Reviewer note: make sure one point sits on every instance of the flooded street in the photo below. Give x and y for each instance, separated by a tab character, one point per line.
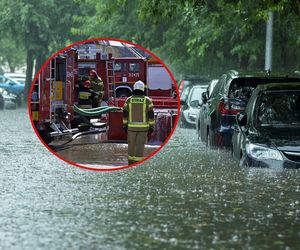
185	197
94	152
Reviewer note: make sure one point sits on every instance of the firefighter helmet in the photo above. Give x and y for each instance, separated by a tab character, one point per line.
139	85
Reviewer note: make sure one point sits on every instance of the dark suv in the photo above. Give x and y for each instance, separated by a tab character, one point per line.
229	97
268	132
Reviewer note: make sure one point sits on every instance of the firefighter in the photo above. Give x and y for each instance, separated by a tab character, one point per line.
138	121
98	88
85	94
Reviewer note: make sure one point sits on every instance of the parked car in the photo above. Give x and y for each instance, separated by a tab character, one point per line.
11	85
229	97
205	96
192	106
188	82
268	131
7	100
19	77
185	87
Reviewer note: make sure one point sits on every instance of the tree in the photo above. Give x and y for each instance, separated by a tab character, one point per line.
41	27
204	37
12	54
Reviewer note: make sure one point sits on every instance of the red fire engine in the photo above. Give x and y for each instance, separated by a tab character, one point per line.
55	91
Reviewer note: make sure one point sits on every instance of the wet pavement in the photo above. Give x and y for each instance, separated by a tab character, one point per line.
185	197
93	151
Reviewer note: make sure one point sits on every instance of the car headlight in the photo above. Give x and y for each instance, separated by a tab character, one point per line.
263	153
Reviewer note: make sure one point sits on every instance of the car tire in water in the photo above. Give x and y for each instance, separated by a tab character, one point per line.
183	123
209	141
198	131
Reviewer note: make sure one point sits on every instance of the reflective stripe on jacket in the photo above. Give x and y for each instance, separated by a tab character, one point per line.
138	113
84	99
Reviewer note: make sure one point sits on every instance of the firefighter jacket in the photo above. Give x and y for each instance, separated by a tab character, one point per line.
98	86
138	114
85	96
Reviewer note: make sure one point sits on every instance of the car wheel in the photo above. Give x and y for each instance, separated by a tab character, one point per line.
198	131
183	123
209	141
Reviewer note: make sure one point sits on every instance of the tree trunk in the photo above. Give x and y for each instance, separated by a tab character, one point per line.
40	60
29	69
11	65
244	62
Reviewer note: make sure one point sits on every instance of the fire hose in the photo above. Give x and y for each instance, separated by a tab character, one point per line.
90	113
95	111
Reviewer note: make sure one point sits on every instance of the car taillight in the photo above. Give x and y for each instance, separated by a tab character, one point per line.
226	109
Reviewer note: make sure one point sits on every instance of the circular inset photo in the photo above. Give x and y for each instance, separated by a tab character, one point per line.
104	104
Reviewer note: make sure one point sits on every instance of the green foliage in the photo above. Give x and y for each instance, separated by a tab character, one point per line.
191	36
40	27
204	37
12	55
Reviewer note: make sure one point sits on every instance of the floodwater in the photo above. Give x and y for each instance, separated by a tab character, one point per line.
185	197
93	151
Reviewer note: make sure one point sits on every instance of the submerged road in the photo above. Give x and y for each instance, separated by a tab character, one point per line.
185	197
92	152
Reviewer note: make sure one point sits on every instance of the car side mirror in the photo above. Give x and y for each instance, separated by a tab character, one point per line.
204	97
241	119
182	102
195	103
11	83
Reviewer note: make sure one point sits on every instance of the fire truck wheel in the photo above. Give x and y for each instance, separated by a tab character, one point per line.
44	134
123	93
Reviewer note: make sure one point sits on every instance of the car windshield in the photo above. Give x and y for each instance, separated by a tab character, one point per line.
279	108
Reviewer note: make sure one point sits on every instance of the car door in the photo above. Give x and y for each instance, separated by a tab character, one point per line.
213	103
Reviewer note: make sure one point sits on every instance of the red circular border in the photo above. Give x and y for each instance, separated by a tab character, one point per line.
104	169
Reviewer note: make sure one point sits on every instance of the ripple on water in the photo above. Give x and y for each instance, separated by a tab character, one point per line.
184	197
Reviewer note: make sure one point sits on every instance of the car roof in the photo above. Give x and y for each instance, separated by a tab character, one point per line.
261	74
18	75
200	86
279	86
10	79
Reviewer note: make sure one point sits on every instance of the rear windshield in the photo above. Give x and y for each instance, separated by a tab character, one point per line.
196	94
279	108
242	88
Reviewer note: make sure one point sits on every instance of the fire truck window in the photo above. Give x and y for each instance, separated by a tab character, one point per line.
61	72
134	67
118	67
83	72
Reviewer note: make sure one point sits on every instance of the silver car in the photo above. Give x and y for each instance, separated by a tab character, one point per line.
193	104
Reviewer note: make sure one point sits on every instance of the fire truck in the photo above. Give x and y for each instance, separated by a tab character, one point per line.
55	92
